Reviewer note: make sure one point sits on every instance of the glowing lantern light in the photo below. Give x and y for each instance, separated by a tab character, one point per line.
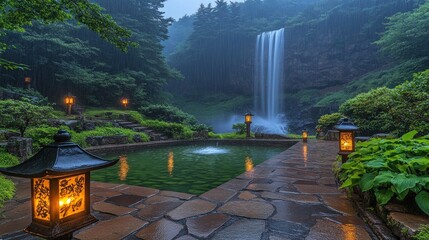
248	121
60	187
27	82
248	164
304	135
124	102
346	137
170	163
69	101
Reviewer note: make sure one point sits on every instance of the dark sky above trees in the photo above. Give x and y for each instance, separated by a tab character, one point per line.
179	8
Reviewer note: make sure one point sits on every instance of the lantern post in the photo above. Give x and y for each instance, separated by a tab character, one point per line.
125	102
60	187
346	138
304	135
248	121
69	101
27	82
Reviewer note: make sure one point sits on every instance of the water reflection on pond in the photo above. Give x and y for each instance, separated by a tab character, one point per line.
192	169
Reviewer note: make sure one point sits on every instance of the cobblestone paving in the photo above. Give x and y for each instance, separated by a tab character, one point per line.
290	196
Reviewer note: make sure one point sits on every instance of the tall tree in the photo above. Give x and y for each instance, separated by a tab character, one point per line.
15	15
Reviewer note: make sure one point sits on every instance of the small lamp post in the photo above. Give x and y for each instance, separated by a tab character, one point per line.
346	137
124	102
27	82
60	187
69	101
248	120
304	135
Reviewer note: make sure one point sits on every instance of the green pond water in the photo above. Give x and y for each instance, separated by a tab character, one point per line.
189	169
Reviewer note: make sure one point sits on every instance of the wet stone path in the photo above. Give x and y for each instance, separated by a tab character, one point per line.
290	196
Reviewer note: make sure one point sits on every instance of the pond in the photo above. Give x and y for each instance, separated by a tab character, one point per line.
191	169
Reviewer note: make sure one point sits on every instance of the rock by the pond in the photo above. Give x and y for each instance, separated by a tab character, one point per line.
106	140
20	147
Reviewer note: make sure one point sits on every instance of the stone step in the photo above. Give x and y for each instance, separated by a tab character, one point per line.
140	129
155	137
123	123
163	138
133	125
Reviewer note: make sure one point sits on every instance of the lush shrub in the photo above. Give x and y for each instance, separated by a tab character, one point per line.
80	138
239	128
172	130
7	159
228	135
397	110
167	113
7	190
328	121
23	114
43	135
201	127
390	168
422	233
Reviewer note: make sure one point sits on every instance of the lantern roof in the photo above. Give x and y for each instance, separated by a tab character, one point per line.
61	157
346	125
249	114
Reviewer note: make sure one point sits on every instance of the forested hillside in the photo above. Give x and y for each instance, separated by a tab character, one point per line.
333	50
68	58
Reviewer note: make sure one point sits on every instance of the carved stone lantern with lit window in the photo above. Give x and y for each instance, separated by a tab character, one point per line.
347	142
60	187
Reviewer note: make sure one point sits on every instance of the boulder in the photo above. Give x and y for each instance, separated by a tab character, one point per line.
20	147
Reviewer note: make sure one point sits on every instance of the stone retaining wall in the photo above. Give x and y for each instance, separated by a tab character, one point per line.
246	142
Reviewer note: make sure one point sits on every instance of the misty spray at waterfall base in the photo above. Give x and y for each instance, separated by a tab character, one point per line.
268	84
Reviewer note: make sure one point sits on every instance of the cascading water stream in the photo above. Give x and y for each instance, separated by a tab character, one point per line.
268	85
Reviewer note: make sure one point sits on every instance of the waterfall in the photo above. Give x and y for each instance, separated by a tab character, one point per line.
268	85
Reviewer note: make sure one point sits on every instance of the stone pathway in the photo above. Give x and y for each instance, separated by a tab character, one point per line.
290	196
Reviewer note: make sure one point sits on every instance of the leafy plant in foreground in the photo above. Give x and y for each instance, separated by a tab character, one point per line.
391	168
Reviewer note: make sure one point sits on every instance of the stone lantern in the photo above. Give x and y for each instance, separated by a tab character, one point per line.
304	135
60	187
248	121
346	141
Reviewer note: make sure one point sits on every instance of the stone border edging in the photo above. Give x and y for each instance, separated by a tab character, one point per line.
376	224
136	146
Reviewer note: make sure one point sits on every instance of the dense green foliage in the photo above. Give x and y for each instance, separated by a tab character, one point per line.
328	121
168	114
406	36
390	168
43	135
389	77
22	114
171	130
7	159
422	233
239	128
232	135
98	74
396	110
15	15
7	188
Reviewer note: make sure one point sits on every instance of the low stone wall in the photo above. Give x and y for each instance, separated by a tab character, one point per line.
106	140
244	142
